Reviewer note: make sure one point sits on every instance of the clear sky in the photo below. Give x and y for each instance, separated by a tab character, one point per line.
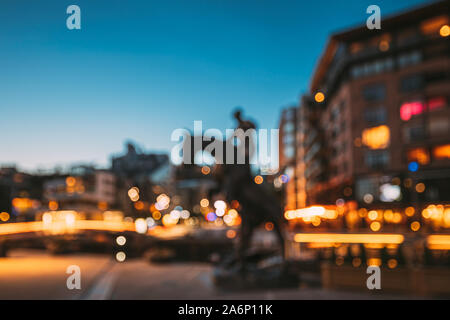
140	69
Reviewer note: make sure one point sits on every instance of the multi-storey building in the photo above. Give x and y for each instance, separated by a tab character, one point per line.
313	160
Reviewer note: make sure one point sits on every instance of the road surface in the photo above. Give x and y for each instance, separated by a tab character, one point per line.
28	274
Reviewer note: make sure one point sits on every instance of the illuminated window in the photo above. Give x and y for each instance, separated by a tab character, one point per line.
381	42
412	108
442	152
436	103
433	26
420	155
377	137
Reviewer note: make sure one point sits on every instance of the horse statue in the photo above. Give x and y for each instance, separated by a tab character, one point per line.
235	180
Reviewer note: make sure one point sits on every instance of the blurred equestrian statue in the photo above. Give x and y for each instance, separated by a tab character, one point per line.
258	204
236	181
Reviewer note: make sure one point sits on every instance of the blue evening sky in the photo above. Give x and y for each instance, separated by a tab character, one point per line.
140	69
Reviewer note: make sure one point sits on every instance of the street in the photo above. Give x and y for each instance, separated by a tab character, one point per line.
29	274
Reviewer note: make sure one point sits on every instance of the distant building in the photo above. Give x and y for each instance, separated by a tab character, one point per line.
314	158
137	163
151	173
20	195
85	190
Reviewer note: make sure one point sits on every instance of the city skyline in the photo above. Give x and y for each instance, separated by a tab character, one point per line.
139	72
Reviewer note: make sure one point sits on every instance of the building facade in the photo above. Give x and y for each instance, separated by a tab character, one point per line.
375	127
85	189
288	149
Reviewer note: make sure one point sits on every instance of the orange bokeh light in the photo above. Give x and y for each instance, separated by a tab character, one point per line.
259	179
53	205
377	137
444	31
420	155
269	226
442	152
206	170
319	97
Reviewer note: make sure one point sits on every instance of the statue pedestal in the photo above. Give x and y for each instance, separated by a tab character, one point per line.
268	272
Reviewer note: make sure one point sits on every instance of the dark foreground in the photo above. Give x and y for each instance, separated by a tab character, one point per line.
28	274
